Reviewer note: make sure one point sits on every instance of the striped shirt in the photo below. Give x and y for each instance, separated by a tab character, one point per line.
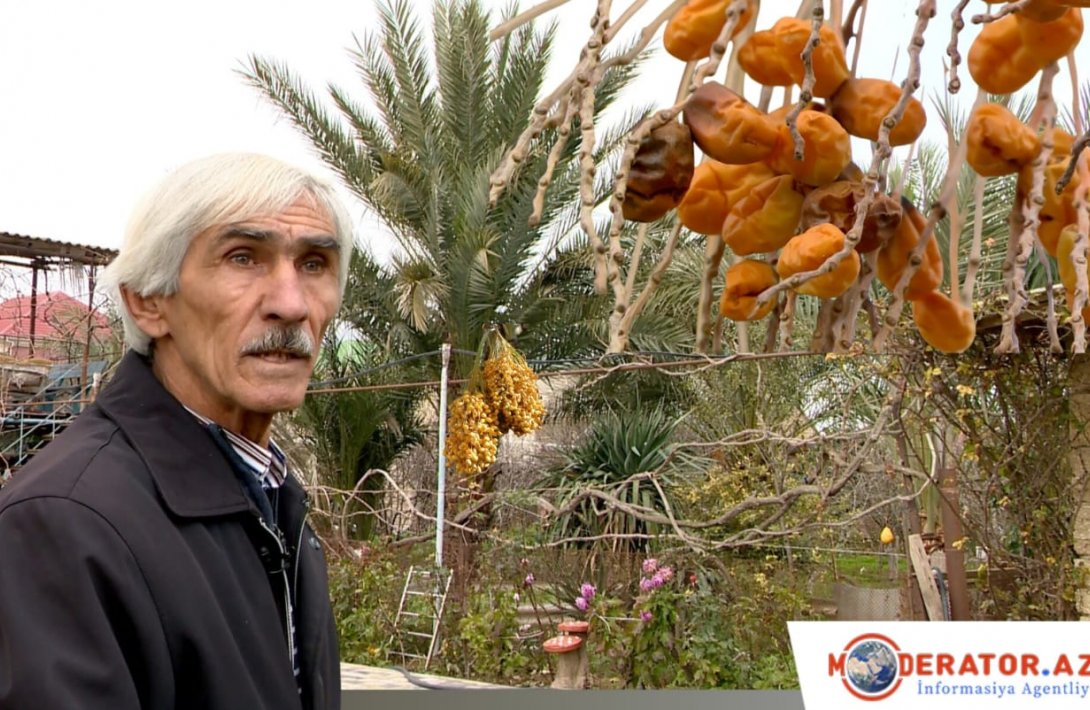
269	465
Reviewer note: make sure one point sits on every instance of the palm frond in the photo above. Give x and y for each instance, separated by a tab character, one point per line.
277	83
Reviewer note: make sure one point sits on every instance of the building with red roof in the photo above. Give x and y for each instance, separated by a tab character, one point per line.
53	326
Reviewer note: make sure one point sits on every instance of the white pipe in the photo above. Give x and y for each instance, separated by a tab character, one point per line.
440	504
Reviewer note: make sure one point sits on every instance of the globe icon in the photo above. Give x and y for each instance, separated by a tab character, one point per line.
871	667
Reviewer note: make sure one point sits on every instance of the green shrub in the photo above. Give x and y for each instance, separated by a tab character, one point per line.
489	639
365	595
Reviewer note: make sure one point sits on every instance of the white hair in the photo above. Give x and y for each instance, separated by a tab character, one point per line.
216	190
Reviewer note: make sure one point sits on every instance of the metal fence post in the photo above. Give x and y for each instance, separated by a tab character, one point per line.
440	504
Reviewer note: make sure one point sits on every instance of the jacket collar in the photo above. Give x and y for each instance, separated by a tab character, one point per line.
192	474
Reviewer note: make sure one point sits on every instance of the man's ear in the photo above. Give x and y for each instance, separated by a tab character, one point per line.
147	311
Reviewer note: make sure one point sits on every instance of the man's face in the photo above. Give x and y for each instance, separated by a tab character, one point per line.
253	301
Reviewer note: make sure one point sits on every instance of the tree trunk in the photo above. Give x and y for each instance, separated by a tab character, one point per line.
1078	379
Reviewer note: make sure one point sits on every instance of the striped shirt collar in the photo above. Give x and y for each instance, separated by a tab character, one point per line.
268	463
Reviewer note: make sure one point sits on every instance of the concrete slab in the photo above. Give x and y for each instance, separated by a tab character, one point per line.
357	677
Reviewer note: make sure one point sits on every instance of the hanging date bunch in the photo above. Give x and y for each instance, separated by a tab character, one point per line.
473	435
511	387
773	188
500	396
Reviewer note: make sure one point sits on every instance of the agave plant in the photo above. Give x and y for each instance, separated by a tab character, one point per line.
621	446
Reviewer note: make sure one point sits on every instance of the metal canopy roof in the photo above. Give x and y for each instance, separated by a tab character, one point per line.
35	248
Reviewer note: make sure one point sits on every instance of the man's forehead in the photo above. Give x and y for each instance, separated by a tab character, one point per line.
302	217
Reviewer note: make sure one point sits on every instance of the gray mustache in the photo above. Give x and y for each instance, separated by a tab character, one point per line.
293	341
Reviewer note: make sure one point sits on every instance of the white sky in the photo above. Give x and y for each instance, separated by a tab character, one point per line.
102	99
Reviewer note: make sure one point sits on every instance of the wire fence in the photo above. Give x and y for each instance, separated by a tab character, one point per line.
544	368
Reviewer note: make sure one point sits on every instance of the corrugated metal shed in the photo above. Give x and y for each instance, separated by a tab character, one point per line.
51	250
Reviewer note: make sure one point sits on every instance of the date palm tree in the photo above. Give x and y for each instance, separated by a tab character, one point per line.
417	149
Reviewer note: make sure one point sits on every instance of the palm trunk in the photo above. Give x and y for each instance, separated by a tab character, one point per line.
1078	379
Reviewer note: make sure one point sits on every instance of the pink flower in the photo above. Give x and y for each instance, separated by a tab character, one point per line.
692	579
529	581
657	580
587	591
646	616
667	573
581	604
650	565
645	584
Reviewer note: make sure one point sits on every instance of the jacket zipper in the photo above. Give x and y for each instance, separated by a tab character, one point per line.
299	545
287	596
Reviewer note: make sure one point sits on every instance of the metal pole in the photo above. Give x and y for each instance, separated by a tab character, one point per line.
440	504
33	303
83	384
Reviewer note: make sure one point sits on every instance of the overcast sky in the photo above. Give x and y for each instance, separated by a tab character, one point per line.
102	99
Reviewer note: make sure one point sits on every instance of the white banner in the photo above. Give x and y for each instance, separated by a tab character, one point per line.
934	665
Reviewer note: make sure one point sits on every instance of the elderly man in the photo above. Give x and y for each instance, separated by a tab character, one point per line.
157	555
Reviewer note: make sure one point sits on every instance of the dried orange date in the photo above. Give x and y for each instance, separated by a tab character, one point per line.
1050	41
830	66
998	143
773	57
727	127
997	60
1056	211
744	282
811	249
860	105
761	59
1064	248
693	29
764	219
1062	143
741	179
893	258
826	152
946	326
714	189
